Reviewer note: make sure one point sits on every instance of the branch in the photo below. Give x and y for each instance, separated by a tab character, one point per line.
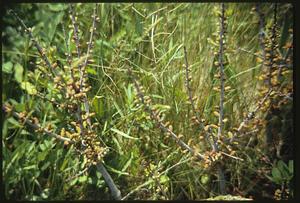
221	70
35	126
188	87
34	41
75	27
251	115
154	115
116	194
89	51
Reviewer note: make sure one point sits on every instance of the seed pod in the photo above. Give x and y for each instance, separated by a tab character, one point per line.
217	89
227	88
35	120
214	126
217	75
180	136
216	113
206	128
225	120
167	123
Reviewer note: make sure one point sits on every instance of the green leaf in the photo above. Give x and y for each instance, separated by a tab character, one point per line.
29	88
91	71
45	193
29	167
123	134
14	122
204	179
7	67
127	164
82	179
57	7
116	171
42	155
164	179
18	72
276	175
79	61
291	166
283	169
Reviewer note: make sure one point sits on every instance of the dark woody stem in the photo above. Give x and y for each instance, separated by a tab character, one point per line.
221	50
191	100
273	44
162	126
34	41
251	115
76	37
38	127
261	32
82	71
115	192
187	84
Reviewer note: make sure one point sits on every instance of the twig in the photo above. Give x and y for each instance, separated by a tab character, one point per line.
234	157
251	115
82	70
34	41
155	117
261	31
36	126
75	37
187	84
221	70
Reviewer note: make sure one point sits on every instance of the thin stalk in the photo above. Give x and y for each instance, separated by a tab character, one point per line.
34	41
221	176
36	126
261	32
82	73
222	78
187	84
251	115
273	44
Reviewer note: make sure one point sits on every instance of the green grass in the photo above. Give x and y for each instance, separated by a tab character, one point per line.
149	39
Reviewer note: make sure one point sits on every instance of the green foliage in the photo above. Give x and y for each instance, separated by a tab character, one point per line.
282	173
149	39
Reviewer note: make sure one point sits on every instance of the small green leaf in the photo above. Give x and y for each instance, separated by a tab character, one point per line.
82	179
79	61
7	67
123	134
127	164
283	168
116	171
276	175
45	193
91	71
164	179
29	88
18	72
204	179
14	122
29	167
